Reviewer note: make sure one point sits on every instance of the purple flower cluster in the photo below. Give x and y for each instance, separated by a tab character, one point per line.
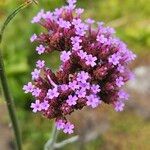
94	66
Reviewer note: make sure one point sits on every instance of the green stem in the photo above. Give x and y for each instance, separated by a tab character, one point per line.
50	145
4	82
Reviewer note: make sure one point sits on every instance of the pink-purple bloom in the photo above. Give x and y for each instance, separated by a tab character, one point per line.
40	49
101	39
119	106
36	106
36	92
123	95
95	88
53	93
68	128
65	56
72	100
35	74
28	88
119	81
60	124
73	85
114	59
90	60
81	93
33	38
82	77
93	101
44	105
40	64
94	65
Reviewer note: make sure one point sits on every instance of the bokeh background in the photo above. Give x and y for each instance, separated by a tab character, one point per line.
99	129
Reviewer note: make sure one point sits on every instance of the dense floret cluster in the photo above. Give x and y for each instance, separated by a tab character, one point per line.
94	65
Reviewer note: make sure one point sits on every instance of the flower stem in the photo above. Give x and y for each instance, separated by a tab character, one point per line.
67	141
4	82
51	142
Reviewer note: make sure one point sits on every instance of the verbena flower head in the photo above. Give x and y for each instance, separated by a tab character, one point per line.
94	65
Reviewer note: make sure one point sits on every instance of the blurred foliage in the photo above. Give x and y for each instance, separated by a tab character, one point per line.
130	19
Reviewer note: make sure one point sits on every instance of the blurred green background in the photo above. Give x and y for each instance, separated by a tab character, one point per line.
128	130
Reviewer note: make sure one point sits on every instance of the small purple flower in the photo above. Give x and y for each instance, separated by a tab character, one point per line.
76	47
84	86
101	39
64	24
65	56
80	31
95	88
110	31
120	68
68	128
76	22
100	24
52	93
45	105
82	76
75	40
40	49
73	85
35	74
71	1
130	56
119	81
82	54
90	60
38	17
93	101
79	11
119	106
36	92
81	93
60	124
57	12
72	100
114	59
36	106
40	64
48	15
123	95
64	87
89	21
28	88
33	38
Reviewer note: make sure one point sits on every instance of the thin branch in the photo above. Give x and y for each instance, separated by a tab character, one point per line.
4	82
66	142
51	142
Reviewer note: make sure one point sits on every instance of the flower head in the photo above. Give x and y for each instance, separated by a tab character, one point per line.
93	65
